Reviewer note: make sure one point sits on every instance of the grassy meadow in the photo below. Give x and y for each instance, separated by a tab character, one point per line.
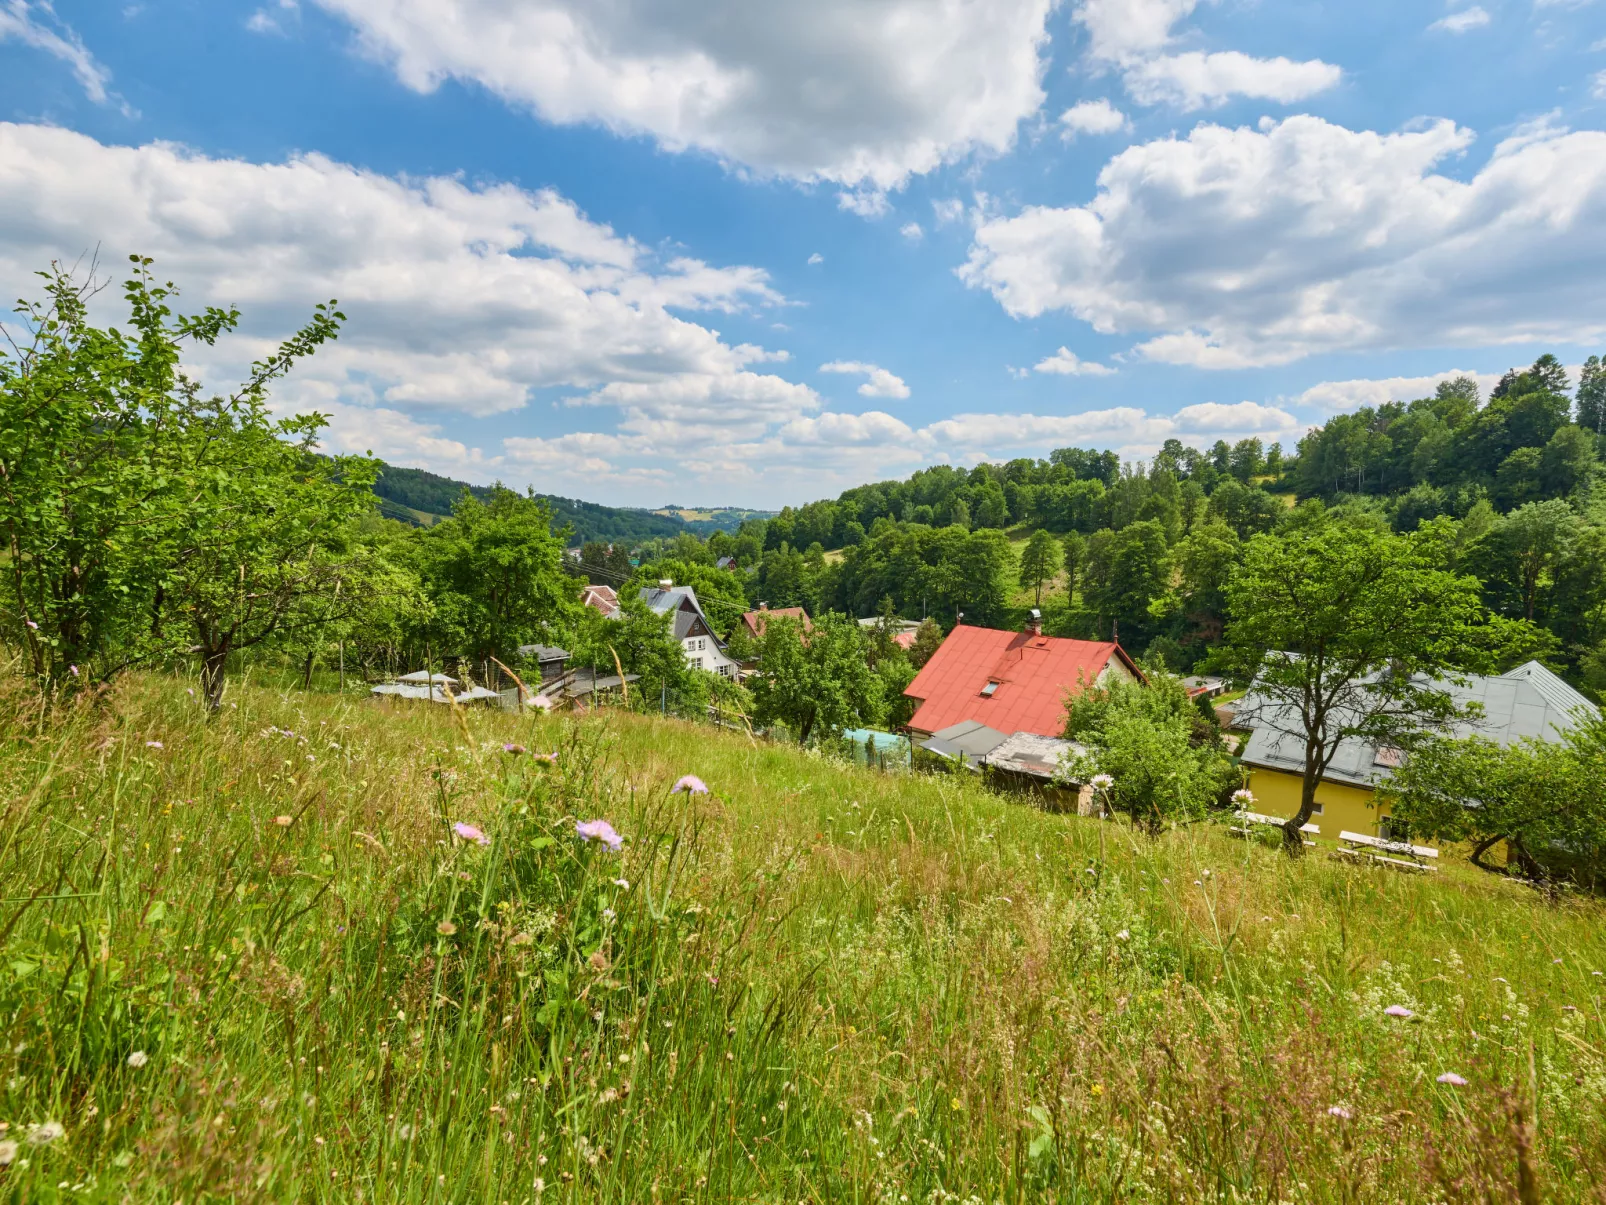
249	958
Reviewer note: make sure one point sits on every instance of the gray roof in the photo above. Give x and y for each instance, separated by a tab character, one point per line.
543	652
670	600
969	739
435	694
1029	753
424	676
1527	702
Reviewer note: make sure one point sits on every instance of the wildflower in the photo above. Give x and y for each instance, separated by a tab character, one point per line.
622	884
1102	781
469	833
46	1131
599	830
689	783
541	703
1197	883
153	744
1340	1112
1243	795
608	914
510	747
138	1059
1397	1010
73	670
1205	873
31	624
1097	1090
190	690
1454	1080
1123	935
955	1105
8	1153
446	928
283	821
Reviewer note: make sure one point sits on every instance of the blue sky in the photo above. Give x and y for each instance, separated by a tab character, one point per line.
750	252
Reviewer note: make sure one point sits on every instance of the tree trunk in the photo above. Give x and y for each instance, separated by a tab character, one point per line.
1293	839
1482	848
306	674
212	662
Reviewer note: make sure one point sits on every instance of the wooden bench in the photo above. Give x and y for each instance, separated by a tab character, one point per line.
1358	847
1246	819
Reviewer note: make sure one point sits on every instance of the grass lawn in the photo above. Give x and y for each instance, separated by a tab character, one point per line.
250	959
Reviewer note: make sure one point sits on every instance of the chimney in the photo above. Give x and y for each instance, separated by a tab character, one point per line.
1034	622
665	583
763	606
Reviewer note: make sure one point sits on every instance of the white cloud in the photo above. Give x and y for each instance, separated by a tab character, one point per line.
947	210
1238	418
1119	30
1599	89
1471	18
816	258
1196	80
912	231
1133	36
1240	247
1065	363
837	90
1338	397
881	383
1092	117
36	24
461	299
267	19
866	202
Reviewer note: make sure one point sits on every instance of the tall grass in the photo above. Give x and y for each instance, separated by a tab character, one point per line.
249	958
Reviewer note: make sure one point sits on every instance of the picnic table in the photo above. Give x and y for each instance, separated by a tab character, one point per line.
1246	819
1401	855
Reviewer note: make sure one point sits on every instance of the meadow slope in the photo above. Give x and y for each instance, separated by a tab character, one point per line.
249	958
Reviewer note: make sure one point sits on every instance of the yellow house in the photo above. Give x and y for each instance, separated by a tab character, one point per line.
1528	701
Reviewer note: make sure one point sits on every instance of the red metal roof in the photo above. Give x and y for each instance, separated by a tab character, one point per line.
1032	673
757	620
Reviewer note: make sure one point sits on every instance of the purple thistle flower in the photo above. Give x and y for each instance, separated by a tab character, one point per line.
73	670
469	833
689	783
1396	1010
541	703
550	758
1451	1078
153	744
599	830
31	624
1339	1111
512	748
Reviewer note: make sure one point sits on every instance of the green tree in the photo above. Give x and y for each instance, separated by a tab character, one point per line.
1520	555
1074	547
928	639
1591	397
1346	632
1166	762
103	444
1568	463
494	575
1127	570
816	684
1039	561
1542	798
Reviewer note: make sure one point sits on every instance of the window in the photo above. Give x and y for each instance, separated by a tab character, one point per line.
1387	755
1317	810
989	690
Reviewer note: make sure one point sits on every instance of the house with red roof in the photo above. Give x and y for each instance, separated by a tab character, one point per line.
1010	681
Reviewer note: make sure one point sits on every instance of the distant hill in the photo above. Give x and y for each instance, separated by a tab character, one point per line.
706	520
423	499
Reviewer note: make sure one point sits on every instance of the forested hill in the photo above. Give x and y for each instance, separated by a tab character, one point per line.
421	498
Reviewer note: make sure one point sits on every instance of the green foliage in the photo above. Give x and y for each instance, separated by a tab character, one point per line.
1040	560
928	639
816	684
494	575
1543	798
1127	570
1344	632
145	520
935	571
1166	764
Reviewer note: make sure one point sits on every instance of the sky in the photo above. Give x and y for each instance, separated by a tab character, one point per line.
754	252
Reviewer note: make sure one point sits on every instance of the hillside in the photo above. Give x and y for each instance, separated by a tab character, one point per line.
257	963
423	498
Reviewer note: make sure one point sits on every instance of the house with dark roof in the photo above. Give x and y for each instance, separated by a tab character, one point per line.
1010	682
703	649
1527	702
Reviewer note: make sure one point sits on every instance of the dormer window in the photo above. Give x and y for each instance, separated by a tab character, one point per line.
989	690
